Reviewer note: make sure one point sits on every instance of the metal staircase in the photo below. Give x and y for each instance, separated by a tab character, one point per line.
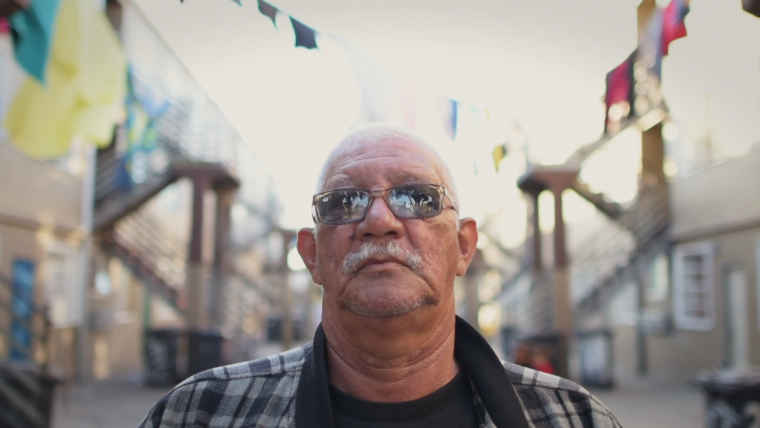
152	253
189	136
127	177
610	258
26	387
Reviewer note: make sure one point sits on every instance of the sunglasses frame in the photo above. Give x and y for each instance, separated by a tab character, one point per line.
374	194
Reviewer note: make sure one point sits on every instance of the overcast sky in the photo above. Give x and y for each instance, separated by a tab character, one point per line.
537	65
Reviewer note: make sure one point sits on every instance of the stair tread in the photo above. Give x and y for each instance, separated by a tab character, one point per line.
14	398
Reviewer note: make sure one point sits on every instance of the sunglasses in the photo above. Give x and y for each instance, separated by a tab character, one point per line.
341	206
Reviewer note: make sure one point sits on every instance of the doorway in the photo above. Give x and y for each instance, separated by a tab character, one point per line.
736	325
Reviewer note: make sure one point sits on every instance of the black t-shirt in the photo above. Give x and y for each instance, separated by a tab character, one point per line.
449	406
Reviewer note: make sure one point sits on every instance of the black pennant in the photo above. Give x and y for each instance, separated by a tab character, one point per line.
269	11
305	36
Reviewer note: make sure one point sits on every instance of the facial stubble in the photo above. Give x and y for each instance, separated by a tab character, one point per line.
391	307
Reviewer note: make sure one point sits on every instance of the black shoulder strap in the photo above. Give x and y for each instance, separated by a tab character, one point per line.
313	408
489	377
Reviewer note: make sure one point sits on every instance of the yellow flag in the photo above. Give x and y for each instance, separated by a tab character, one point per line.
498	153
85	89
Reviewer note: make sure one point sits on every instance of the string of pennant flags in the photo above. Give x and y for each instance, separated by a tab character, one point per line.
633	87
383	95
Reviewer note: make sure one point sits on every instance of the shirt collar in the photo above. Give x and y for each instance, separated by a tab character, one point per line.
475	355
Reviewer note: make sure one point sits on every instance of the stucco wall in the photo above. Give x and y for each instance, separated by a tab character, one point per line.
722	198
675	357
32	191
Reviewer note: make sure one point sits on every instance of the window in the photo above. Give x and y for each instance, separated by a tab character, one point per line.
693	293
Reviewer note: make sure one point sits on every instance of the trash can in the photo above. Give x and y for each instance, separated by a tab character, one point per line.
732	397
274	329
204	351
161	357
548	353
595	352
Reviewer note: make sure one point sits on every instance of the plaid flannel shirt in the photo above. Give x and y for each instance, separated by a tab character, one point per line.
290	389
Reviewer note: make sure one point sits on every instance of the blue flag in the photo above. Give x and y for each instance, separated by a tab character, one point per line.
305	36
269	11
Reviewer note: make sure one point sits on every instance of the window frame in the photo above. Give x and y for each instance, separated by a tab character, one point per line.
683	320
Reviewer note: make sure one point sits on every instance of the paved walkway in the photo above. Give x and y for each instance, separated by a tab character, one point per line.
107	404
115	404
647	406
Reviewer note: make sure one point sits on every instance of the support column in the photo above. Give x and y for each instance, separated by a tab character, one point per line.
562	318
535	223
197	270
560	250
653	155
562	302
86	273
220	270
287	293
555	178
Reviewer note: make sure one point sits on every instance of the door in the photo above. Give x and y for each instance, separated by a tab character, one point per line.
736	316
22	303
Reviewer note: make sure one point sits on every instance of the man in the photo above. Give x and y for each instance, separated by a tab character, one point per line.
390	351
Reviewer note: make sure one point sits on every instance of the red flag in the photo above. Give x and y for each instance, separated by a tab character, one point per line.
673	26
619	96
619	82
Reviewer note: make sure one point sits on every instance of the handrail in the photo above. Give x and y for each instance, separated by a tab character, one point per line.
142	235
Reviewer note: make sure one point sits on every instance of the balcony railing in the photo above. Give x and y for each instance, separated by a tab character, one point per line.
25	387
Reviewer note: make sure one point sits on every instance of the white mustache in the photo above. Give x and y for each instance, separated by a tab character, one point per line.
392	248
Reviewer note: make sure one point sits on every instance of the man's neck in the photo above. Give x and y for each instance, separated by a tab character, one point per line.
390	360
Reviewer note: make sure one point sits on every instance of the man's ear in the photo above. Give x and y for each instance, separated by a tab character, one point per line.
468	243
307	248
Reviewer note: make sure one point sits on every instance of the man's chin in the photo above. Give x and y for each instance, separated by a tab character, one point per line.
386	309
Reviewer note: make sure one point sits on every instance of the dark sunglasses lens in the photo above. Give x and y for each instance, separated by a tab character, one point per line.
416	201
342	206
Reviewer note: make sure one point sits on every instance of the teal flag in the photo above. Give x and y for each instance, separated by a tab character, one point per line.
32	33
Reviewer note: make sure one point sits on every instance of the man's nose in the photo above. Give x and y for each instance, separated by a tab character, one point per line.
380	221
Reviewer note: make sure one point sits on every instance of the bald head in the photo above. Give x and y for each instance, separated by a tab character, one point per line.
375	134
375	261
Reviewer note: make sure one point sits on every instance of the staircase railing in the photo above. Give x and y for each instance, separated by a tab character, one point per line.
599	257
527	298
245	300
650	214
153	253
604	261
25	386
129	173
